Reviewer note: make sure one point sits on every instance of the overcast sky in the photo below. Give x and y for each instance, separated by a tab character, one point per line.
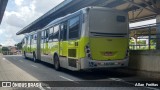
20	13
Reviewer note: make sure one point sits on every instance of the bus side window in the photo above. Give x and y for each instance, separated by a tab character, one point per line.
29	40
35	38
46	36
42	37
56	33
63	33
26	41
23	42
74	28
32	42
50	34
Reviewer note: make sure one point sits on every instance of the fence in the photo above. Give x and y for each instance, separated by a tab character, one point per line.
144	37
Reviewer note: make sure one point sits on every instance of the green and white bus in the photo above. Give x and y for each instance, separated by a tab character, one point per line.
91	38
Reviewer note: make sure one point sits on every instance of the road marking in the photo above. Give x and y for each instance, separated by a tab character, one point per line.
118	79
42	88
4	59
66	78
34	66
69	79
49	88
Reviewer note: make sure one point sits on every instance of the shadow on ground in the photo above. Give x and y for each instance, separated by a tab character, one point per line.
91	75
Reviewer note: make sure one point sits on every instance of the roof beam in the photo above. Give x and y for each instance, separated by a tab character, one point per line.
115	3
152	8
139	6
3	4
139	13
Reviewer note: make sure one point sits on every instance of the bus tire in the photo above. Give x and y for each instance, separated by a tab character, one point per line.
34	57
56	63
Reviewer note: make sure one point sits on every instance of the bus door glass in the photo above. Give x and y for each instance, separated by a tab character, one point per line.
46	42
42	42
29	44
63	37
50	42
24	44
56	39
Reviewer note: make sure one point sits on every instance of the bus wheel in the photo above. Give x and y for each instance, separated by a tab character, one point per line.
34	57
56	63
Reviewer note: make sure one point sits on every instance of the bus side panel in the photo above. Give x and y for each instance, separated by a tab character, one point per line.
53	49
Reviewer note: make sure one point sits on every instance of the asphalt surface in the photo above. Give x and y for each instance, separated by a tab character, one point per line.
45	72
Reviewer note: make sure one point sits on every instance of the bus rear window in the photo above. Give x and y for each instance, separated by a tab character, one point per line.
121	18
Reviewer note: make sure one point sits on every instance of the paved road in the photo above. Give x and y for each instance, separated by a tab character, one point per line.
45	72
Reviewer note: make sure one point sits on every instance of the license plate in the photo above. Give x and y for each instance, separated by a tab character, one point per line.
108	54
109	63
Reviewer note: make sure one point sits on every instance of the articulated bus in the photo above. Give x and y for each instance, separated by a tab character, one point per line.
90	38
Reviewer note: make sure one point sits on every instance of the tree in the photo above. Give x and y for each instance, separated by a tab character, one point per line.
19	46
5	49
0	48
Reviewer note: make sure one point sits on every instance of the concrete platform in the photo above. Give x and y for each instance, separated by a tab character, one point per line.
10	72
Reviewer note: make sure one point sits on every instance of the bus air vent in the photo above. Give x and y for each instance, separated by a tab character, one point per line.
72	62
72	52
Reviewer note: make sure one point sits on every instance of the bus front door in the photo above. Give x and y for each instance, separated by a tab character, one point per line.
63	45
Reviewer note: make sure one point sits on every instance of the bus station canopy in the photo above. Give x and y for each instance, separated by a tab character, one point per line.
138	10
3	4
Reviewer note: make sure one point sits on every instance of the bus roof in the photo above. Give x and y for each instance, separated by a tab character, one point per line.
61	19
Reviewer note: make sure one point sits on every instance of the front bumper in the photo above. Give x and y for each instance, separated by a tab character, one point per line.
95	64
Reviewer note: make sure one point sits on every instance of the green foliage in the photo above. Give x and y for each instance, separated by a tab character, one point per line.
153	41
0	50
19	46
141	45
5	49
141	42
131	42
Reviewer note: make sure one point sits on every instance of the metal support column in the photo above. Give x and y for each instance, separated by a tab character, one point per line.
149	39
158	33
